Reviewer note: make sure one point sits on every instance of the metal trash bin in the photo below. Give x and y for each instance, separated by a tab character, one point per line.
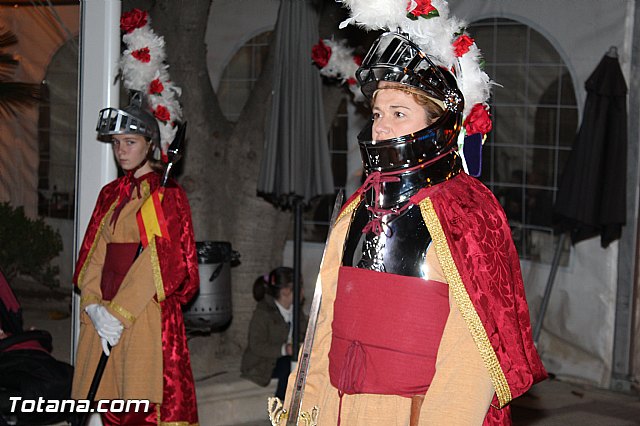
210	309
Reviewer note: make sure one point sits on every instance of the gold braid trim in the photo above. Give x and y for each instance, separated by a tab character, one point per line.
464	303
95	242
145	189
122	311
157	273
350	208
177	424
89	299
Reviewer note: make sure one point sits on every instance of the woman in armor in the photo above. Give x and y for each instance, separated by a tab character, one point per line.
423	317
132	283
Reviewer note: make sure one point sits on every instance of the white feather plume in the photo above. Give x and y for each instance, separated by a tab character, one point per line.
435	37
138	75
342	66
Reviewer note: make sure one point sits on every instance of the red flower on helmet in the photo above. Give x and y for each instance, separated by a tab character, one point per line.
478	120
357	59
162	113
132	20
423	8
462	44
156	87
320	54
351	81
142	54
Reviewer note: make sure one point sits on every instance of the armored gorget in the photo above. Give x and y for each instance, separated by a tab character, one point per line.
387	232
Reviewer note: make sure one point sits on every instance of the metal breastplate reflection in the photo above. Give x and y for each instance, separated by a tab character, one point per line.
401	250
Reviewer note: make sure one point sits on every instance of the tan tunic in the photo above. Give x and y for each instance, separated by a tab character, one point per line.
461	390
134	370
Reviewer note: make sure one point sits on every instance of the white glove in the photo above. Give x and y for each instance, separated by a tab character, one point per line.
108	327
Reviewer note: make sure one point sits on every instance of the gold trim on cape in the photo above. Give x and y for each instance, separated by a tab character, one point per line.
94	243
350	207
155	268
464	303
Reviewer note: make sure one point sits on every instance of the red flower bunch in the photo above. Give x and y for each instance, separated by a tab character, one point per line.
478	120
357	59
142	54
320	54
462	44
162	113
132	20
424	8
156	87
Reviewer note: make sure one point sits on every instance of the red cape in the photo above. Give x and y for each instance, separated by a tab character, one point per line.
178	265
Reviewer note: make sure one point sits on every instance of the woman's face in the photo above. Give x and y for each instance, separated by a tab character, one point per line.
396	113
130	150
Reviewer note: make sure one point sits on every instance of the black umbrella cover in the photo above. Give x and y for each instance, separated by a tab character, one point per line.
591	198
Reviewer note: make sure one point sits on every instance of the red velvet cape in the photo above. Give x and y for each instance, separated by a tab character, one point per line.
178	264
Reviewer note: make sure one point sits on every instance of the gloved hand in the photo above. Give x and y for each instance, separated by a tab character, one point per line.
108	327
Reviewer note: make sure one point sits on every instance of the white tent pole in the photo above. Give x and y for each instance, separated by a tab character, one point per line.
99	55
623	347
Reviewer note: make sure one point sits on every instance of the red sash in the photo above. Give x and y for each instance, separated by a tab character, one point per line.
386	332
117	262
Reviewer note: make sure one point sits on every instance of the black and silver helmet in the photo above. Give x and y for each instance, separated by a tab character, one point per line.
394	58
132	119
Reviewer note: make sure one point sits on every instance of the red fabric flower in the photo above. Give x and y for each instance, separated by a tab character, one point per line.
351	81
156	87
320	54
462	44
357	59
132	20
162	113
142	54
424	7
478	120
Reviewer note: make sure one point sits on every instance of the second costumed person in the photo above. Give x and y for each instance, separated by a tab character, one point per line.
131	299
423	317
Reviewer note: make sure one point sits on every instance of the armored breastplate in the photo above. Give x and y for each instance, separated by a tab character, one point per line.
400	244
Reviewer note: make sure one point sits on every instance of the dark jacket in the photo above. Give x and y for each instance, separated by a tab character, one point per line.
268	331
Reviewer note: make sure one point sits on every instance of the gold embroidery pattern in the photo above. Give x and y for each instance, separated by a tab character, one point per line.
123	312
350	208
89	299
157	273
464	303
95	243
177	424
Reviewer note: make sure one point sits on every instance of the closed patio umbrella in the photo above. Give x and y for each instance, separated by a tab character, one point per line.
591	197
295	163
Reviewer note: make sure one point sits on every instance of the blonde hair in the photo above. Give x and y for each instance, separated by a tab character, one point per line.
432	109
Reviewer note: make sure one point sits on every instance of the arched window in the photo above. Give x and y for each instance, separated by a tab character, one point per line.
241	74
535	118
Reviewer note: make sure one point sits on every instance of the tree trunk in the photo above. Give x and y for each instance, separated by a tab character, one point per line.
221	166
